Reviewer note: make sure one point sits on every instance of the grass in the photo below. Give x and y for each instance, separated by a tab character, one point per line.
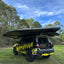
7	57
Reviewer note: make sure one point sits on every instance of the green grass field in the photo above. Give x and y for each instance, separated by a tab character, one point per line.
7	57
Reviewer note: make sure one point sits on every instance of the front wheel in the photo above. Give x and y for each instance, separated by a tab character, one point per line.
29	56
14	51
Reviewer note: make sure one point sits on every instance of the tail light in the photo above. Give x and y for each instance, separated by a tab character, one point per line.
37	45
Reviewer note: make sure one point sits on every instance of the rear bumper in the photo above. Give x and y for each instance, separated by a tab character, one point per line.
45	52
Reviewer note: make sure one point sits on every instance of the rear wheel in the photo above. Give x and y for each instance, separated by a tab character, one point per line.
29	56
14	51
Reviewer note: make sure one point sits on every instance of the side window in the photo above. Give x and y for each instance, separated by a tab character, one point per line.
21	42
34	40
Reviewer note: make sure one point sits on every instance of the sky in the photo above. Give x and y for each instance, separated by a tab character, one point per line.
44	11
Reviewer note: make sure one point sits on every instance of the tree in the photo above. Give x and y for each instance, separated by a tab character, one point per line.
63	35
8	17
48	26
57	23
23	24
30	22
36	24
63	32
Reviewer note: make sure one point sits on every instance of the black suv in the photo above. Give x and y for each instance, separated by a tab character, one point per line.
39	46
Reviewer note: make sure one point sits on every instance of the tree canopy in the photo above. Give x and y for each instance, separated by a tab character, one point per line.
61	31
10	20
8	17
29	23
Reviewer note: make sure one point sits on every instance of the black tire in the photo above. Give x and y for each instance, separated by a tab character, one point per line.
46	57
29	56
14	51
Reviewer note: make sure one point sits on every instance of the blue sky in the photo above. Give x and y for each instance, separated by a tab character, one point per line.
44	11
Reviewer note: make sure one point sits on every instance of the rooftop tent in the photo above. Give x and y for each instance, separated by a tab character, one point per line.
21	33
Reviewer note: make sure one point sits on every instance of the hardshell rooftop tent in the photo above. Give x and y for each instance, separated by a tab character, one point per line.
22	33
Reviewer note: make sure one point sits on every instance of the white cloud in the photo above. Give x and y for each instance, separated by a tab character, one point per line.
28	12
20	6
33	13
44	8
60	11
50	21
46	13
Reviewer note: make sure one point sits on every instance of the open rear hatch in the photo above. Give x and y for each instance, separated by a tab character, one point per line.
43	43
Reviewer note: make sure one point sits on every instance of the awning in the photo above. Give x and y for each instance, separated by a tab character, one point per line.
21	33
